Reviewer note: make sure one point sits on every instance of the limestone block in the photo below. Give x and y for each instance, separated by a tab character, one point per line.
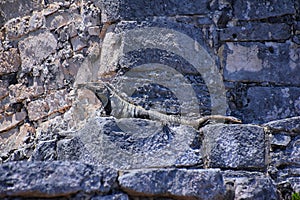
9	61
54	102
249	185
54	179
290	156
252	31
35	49
268	104
14	8
114	10
257	62
256	9
200	184
11	121
280	140
234	146
18	27
289	125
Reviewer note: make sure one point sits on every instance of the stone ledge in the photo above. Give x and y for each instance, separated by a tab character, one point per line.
204	184
54	179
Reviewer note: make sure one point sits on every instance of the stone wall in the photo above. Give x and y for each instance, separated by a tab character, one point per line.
183	58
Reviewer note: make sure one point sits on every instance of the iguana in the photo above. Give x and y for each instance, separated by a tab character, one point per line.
119	106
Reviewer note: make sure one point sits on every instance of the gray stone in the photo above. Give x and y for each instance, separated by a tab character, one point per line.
257	62
20	92
267	104
54	179
256	9
289	156
290	175
52	103
77	43
250	185
9	61
119	196
90	13
63	18
14	8
132	143
253	31
12	120
18	27
3	93
234	146
44	151
17	142
289	125
35	49
94	30
280	140
114	10
178	183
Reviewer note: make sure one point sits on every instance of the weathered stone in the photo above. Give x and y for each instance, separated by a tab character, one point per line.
91	14
267	104
35	49
256	62
178	183
289	156
14	8
94	30
280	140
9	61
3	92
44	151
53	103
114	10
50	9
11	121
290	175
234	146
119	196
19	92
294	53
250	185
77	43
256	32
18	27
256	9
289	125
132	143
60	19
14	139
54	179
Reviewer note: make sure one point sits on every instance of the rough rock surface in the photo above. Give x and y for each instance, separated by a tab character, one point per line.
187	58
131	144
234	146
176	183
54	179
249	185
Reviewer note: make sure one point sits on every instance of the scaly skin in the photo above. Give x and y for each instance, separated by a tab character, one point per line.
126	109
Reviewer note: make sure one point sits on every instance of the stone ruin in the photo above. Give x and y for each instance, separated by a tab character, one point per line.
183	58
